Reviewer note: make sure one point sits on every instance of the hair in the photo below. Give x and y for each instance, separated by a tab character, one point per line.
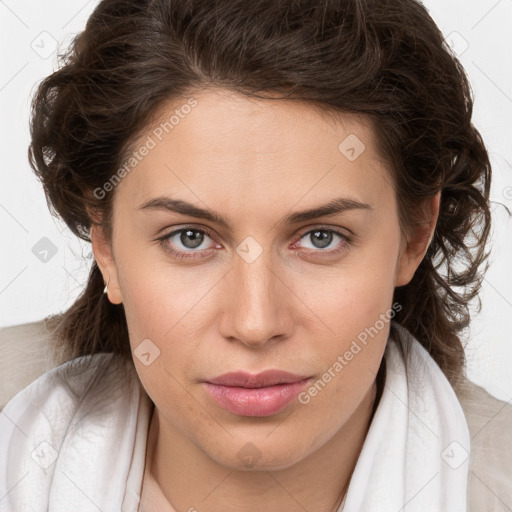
382	59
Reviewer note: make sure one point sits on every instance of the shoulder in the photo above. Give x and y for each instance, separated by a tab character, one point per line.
73	384
55	398
26	353
66	423
79	422
57	402
490	467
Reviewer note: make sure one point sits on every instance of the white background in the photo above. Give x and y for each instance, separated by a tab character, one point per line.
479	31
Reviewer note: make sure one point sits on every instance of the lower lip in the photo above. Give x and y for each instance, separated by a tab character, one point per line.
255	401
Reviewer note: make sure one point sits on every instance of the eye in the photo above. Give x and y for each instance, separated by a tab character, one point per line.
188	242
326	241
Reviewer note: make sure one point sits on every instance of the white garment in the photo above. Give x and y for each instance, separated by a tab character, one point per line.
416	453
75	440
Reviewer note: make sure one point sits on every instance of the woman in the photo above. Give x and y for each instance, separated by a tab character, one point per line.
279	197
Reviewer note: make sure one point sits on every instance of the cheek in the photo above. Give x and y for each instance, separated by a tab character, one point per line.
353	298
355	315
163	311
356	309
160	298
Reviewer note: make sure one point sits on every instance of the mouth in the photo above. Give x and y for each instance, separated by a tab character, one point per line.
263	394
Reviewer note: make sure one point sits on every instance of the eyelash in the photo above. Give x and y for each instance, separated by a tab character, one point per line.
180	255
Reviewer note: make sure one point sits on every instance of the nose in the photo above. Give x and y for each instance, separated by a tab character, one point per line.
257	305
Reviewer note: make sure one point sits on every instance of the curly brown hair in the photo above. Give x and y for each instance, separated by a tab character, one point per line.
385	59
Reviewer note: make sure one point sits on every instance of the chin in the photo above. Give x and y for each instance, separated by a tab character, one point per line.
258	454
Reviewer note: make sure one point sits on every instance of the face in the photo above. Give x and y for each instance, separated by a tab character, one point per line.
256	286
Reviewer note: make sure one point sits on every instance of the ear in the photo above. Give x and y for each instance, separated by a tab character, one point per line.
104	256
415	246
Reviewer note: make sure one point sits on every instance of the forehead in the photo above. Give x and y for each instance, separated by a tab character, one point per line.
253	151
222	117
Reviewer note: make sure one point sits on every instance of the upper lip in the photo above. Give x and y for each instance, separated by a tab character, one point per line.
259	380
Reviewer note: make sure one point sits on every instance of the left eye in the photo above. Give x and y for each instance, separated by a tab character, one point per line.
323	238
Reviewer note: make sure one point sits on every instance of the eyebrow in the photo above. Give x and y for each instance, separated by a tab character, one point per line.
333	207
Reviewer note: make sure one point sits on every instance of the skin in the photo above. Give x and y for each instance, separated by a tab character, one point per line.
295	307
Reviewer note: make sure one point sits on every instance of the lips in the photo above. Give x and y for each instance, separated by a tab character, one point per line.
260	380
263	394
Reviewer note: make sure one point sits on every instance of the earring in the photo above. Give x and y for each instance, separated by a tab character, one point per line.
105	291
